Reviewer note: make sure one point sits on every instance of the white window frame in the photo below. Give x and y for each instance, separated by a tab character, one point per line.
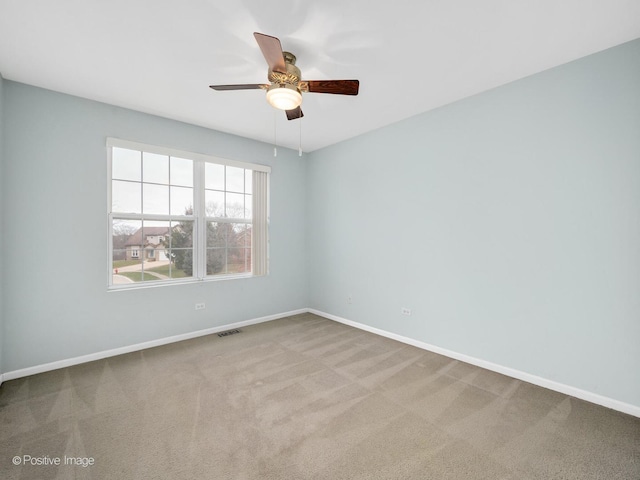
259	245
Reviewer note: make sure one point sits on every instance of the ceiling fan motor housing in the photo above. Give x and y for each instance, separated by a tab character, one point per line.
291	76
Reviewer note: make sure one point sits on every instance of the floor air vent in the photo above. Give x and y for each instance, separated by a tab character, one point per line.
228	332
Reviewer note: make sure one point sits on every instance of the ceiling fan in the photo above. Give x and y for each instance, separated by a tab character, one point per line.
286	87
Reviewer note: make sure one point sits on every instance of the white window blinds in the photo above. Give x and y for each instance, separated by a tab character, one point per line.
260	240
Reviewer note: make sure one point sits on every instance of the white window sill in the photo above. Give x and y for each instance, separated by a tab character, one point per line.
166	283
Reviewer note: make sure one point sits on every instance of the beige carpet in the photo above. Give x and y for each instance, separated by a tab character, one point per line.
304	397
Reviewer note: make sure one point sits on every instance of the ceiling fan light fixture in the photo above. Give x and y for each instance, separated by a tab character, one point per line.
284	97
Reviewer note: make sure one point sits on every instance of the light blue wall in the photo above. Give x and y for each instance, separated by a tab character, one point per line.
509	223
56	301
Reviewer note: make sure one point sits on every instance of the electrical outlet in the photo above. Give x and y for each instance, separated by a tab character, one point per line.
199	306
405	311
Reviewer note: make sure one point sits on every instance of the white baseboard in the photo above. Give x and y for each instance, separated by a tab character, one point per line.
510	372
25	372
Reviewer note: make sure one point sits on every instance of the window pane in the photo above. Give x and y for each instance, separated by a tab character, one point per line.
235	179
156	235
248	206
125	197
123	226
248	181
127	245
247	237
181	235
214	176
181	250
127	274
216	261
228	248
155	168
181	201
155	199
123	232
214	204
217	234
181	172
181	265
235	205
157	253
154	253
125	164
236	260
238	235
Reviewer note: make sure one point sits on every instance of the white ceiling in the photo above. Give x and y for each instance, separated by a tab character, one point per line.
159	56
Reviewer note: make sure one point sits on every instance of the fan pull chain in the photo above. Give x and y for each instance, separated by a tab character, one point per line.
275	136
300	139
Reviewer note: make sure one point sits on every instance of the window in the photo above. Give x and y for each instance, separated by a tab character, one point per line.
228	210
195	217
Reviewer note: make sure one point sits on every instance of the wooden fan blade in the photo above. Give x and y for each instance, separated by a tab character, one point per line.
338	87
295	113
242	86
272	51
